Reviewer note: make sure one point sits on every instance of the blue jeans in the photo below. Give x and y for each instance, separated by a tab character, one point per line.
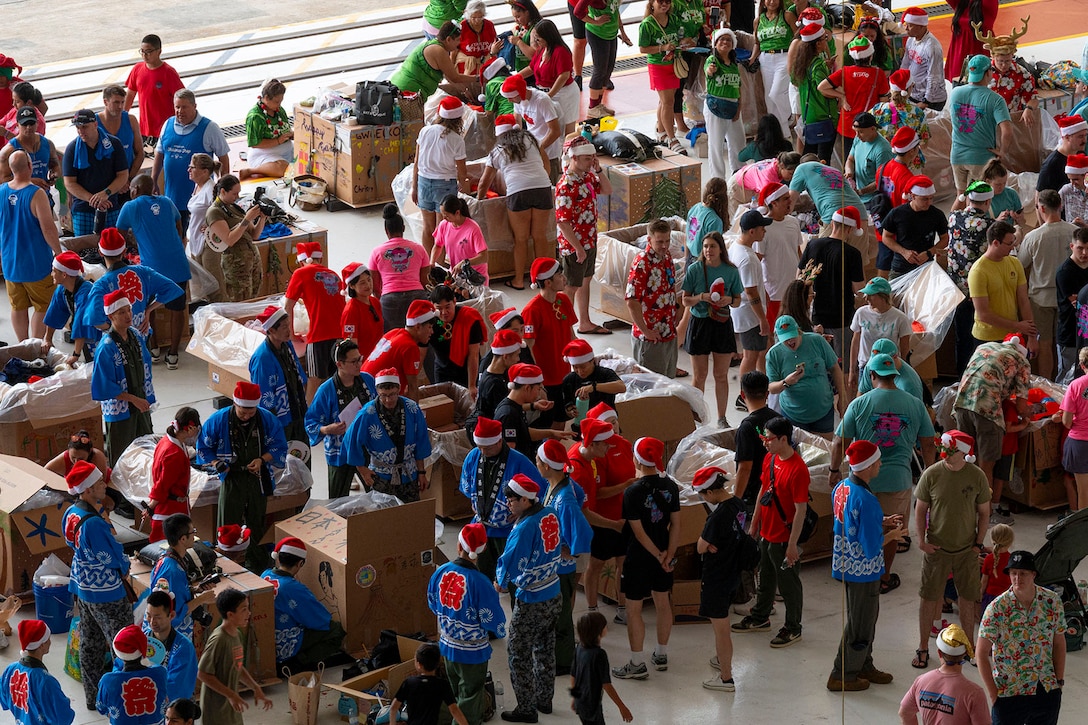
433	191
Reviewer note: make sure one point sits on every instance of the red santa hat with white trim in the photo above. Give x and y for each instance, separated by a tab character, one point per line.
1076	165
554	455
956	440
451	107
290	545
915	16
904	140
1069	125
717	290
111	243
577	352
811	16
502	318
130	644
488	432
472	539
33	633
862	454
921	185
812	32
83	475
419	311
505	122
707	477
69	263
650	452
849	216
232	537
543	268
514	88
270	317
899	81
603	411
596	431
114	301
353	271
388	376
505	342
1016	341
524	486
770	193
524	374
247	394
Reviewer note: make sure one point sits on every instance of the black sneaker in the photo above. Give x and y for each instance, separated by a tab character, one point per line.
519	716
751	624
740	405
609	85
785	638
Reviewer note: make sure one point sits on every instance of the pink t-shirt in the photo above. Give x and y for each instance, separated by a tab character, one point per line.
946	699
399	262
754	177
461	243
1076	402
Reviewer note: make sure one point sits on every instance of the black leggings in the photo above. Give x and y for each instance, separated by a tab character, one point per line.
678	99
822	150
604	59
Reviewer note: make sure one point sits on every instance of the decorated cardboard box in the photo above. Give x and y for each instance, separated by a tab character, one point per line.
643	191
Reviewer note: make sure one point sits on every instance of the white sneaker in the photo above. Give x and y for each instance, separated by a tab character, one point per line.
717	683
715	662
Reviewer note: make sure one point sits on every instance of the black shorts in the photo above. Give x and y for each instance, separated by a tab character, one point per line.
578	27
531	199
715	598
1004	467
752	340
642	576
319	362
607	544
706	336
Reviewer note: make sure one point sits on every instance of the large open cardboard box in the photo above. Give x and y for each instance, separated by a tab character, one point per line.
667	418
1039	463
380	563
28	536
361	688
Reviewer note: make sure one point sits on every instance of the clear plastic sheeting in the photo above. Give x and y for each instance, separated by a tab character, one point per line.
220	336
945	400
705	447
938	151
202	285
1026	151
292	479
52	572
132	474
350	505
621	364
650	385
402	196
45	497
929	297
42	400
816	453
452	445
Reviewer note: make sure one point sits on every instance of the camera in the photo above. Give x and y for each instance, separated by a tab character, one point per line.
202	616
767	499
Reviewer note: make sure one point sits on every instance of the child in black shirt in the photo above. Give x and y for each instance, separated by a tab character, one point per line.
591	674
424	693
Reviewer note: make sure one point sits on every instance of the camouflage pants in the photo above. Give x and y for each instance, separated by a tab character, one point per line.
241	266
212	261
99	623
531	653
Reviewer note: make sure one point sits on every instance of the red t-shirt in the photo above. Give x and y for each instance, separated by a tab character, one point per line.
585	473
362	323
1010	442
791	481
896	177
477	44
999	582
319	289
155	91
863	86
396	349
618	466
550	325
546	71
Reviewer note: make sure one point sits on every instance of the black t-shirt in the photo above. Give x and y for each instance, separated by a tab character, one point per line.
490	392
514	427
1052	173
842	266
591	674
914	230
742	16
722	529
1082	334
1070	280
600	375
424	695
750	448
98	172
650	500
444	370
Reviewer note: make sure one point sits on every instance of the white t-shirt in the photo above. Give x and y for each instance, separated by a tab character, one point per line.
199	202
751	275
537	110
780	249
437	152
520	175
874	325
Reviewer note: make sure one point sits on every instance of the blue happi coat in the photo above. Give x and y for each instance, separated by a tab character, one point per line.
142	286
577	534
133	697
98	560
265	370
499	520
108	377
169	569
325	410
297	610
180	664
368	444
531	558
33	696
60	312
858	554
214	440
468	608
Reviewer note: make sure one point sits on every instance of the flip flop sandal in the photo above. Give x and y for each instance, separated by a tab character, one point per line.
903	546
892	582
595	330
921	659
682	373
511	285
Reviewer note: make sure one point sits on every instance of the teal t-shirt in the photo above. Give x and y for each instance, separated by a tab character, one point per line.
611	29
811	398
976	113
907	380
1007	200
827	188
868	157
725	82
893	420
650	33
702	220
696	283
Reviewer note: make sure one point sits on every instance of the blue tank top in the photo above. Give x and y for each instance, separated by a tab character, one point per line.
177	150
124	135
30	259
39	160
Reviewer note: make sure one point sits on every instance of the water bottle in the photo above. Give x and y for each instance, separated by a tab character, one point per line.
587	131
396	110
498	696
353	711
99	220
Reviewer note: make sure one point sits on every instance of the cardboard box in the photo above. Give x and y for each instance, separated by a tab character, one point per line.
381	562
667	418
357	162
1039	464
685	601
279	256
639	189
226	344
452	445
387	680
616	251
205	515
1055	101
29	536
438	409
42	440
445	481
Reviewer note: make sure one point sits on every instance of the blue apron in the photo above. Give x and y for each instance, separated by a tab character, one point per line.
177	150
124	135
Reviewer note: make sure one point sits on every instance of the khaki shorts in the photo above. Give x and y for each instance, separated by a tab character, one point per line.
1046	320
964	174
25	294
895	502
964	566
985	431
577	272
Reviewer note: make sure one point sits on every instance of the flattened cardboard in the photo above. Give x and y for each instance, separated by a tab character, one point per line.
27	536
667	418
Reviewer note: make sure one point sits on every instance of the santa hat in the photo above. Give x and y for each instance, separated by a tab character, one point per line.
812	32
232	537
915	16
130	644
488	432
388	376
577	352
849	216
603	411
543	268
1069	125
451	107
83	475
1016	341
862	454
717	290
33	633
505	122
290	545
772	192
525	374
472	540
811	16
979	191
114	301
514	88
707	477
270	317
579	146
111	243
719	33
506	342
353	271
502	318
860	48
596	431
956	440
305	251
492	69
899	81
554	454
70	263
247	395
921	186
419	311
650	452
904	140
1075	165
524	486
953	641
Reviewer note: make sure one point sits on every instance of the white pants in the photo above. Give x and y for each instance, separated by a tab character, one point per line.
567	101
776	87
723	137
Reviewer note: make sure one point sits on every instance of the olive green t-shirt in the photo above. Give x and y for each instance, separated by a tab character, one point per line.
224	658
953	498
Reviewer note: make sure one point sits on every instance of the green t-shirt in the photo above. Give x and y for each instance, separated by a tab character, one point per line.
815	106
907	380
868	157
894	421
439	11
416	74
773	34
611	29
1007	200
827	188
953	498
696	283
725	83
521	60
222	657
976	113
650	33
494	101
691	14
811	397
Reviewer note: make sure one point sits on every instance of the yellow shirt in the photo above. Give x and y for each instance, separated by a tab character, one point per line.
997	281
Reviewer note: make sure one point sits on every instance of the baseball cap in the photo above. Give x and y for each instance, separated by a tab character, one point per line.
1021	560
876	286
977	67
785	328
26	116
883	365
865	120
752	219
83	117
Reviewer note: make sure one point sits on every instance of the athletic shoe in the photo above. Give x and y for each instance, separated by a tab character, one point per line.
856	685
519	716
631	671
740	405
609	85
745	611
156	355
715	663
660	662
1001	515
171	362
717	683
876	676
785	638
621	616
935	630
749	624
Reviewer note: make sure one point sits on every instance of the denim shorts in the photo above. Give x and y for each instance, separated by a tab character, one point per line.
433	191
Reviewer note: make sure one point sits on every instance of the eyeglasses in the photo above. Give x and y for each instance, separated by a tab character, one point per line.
353	361
192	533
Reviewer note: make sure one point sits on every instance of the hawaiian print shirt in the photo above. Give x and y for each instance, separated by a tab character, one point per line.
966	243
890	119
994	373
1023	641
1017	87
576	204
652	281
1074	203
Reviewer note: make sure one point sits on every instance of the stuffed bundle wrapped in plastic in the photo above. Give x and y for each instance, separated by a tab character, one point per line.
929	298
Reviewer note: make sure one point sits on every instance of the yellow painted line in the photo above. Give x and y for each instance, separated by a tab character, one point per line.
1002	7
